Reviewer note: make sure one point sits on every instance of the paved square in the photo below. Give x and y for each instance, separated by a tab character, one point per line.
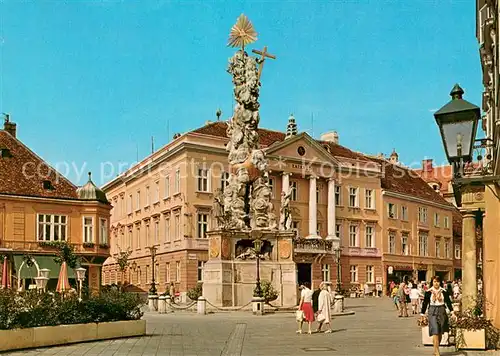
375	329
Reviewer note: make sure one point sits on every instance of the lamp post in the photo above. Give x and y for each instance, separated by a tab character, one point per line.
336	252
257	243
152	250
458	121
80	277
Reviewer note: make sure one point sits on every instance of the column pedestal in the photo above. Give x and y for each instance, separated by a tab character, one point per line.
258	306
469	261
201	306
153	302
162	304
338	305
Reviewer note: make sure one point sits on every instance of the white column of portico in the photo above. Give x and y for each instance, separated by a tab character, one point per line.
331	209
285	182
313	209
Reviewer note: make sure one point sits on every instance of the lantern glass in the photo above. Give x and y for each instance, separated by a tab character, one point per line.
80	273
336	243
41	282
458	139
257	243
44	272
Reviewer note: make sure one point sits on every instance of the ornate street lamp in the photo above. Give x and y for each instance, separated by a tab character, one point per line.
257	244
80	277
457	122
336	252
44	272
41	283
152	250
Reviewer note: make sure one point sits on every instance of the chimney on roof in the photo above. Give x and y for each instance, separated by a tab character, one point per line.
394	157
332	136
427	165
9	126
291	127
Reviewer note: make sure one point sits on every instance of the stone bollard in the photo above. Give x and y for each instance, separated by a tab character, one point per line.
201	306
338	305
153	302
258	306
162	307
168	304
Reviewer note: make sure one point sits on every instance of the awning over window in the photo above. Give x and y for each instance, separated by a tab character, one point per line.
42	262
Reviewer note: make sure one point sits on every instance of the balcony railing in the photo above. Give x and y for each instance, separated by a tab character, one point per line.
312	246
42	246
361	251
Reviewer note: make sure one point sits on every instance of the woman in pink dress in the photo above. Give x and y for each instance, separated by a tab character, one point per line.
306	306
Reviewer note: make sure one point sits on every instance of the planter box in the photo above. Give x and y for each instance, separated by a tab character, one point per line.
471	339
67	334
427	340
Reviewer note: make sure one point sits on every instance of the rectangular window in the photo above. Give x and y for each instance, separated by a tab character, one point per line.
147	235
353	236
404	213
178	271
353	197
271	187
103	239
422	215
138	200
438	248
167	272
338	230
224	180
202	225
138	276
202	180
177	183
167	229
338	195
129	204
157	231
156	197
447	248
436	219
147	275
423	244
325	271
369	199
295	225
201	264
318	194
52	227
148	197
294	196
122	206
88	229
370	274
138	233
404	244
446	222
369	236
458	252
130	241
177	228
391	211
318	229
392	242
167	186
354	273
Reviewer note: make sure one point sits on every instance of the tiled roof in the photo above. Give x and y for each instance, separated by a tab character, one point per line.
24	173
439	174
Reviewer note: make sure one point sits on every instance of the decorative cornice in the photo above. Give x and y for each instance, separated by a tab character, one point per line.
416	200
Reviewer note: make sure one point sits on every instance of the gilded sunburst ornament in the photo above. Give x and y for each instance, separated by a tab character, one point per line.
242	33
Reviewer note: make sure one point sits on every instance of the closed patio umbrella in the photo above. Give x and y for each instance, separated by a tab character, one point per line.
63	281
5	274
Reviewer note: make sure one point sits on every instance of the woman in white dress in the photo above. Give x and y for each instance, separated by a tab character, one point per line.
324	311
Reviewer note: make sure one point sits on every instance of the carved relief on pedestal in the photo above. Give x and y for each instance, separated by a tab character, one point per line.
285	248
226	249
473	195
214	248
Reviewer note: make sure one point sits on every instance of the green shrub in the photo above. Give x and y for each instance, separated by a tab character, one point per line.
195	292
31	308
268	292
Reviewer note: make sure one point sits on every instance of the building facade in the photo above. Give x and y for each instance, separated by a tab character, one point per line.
166	200
38	206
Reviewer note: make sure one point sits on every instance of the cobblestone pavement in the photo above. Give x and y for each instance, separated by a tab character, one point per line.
375	329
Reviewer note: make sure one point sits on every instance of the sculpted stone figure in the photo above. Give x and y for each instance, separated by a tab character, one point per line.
285	211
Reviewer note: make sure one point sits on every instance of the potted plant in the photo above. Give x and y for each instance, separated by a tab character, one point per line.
88	245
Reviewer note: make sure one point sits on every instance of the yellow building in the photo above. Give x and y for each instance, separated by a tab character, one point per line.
39	206
166	201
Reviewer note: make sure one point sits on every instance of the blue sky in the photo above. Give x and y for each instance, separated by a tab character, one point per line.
90	81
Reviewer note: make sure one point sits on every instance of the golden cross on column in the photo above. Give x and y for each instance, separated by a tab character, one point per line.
263	57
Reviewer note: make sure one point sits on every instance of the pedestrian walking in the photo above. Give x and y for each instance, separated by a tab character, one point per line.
324	311
367	290
403	298
394	296
437	300
414	297
305	306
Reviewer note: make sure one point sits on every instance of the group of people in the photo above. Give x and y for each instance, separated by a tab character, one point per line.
412	293
314	305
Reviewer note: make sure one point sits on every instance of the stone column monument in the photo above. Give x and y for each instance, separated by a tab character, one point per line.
244	211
